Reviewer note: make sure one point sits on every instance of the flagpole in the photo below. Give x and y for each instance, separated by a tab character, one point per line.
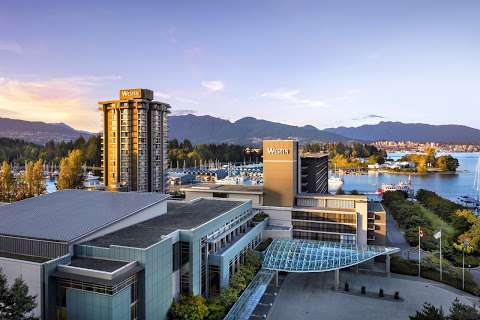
419	256
441	274
463	269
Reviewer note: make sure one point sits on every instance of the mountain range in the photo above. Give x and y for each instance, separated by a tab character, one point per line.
38	132
418	132
208	129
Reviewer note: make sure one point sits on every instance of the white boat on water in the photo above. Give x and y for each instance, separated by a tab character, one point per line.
92	182
335	183
403	186
468	202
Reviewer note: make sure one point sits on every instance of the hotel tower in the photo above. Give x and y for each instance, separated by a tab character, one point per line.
134	142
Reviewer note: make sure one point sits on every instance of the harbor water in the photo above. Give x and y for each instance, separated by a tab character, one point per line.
447	185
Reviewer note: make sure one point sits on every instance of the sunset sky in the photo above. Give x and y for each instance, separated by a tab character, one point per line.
324	63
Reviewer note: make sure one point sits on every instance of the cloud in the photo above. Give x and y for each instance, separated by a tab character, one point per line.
349	95
368	117
292	96
213	86
162	95
183	112
12	47
54	100
373	116
186	100
173	98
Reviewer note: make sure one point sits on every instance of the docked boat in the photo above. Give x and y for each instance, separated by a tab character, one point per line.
468	202
403	186
92	182
335	183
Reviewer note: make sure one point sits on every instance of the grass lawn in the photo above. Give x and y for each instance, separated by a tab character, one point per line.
438	223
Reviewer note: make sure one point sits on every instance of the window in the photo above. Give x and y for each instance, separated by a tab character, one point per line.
220	195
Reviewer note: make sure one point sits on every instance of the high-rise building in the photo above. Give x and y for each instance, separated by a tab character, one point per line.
134	142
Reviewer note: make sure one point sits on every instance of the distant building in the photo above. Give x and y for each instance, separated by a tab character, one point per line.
314	173
134	142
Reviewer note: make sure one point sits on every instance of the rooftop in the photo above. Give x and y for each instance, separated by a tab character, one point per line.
375	206
232	188
181	215
70	214
313	155
97	264
15	256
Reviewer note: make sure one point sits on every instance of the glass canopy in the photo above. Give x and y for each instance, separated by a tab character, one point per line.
318	256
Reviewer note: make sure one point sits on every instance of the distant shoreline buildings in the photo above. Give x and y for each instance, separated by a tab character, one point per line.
411	146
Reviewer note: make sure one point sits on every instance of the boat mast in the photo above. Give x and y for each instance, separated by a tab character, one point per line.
476	181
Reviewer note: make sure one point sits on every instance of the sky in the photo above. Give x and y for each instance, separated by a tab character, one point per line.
321	63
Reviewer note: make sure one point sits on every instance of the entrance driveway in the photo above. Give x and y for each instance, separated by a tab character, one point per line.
309	296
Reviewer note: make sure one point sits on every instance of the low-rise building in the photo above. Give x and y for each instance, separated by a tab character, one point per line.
108	255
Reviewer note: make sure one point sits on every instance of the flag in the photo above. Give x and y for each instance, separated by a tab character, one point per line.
420	233
465	244
438	234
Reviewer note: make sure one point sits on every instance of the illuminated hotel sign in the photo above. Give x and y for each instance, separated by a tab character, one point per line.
278	151
136	94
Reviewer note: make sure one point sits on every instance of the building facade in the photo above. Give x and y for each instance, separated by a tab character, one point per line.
128	256
294	197
134	142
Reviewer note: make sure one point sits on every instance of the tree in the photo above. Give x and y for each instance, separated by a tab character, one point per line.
189	308
16	303
447	163
38	184
7	183
461	311
216	310
421	165
429	312
431	156
71	176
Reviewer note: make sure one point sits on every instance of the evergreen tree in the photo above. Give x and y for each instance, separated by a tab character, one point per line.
460	311
15	302
429	312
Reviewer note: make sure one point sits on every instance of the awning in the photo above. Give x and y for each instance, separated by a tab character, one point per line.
318	256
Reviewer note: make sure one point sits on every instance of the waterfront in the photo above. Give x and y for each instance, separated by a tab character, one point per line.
447	185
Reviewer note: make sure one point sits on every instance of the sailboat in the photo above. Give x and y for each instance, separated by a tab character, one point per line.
473	202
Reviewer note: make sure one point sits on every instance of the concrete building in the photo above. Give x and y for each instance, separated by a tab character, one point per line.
294	210
134	142
121	255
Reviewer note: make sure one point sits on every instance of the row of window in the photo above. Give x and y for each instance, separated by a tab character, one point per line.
324	237
325	216
325	227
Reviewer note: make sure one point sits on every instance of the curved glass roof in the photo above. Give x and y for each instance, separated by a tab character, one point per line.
318	256
245	305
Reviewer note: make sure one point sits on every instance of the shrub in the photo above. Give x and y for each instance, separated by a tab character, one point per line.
262	246
189	308
430	270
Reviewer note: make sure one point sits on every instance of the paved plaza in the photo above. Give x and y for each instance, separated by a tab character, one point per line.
310	296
